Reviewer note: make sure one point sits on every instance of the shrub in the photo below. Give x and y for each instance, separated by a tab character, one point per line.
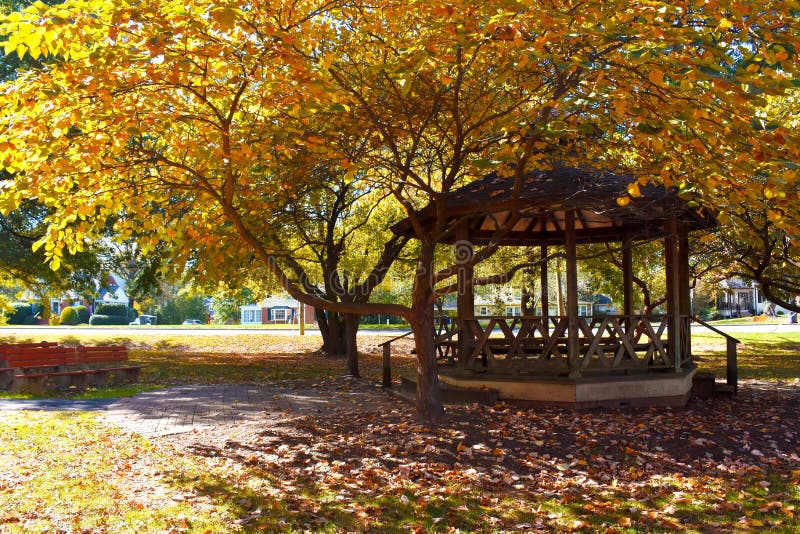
29	320
104	320
83	314
19	311
69	316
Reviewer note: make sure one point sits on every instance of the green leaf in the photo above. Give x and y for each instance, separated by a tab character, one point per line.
485	163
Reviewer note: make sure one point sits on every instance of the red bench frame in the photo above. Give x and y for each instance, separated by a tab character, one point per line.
31	366
7	373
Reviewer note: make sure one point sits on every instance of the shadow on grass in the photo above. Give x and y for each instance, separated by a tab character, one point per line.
303	505
165	367
649	470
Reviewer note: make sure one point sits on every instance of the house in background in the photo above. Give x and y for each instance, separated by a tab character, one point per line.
112	292
740	298
603	304
276	310
508	302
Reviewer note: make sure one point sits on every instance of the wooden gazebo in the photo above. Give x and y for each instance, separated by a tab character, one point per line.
609	360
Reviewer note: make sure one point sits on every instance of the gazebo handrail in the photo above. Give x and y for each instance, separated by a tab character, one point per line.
390	341
727	336
732	363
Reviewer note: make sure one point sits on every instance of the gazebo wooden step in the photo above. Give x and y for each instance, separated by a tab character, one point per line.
454	394
704	386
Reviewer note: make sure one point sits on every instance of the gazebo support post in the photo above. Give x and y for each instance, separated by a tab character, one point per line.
543	285
573	332
465	302
684	292
627	281
671	265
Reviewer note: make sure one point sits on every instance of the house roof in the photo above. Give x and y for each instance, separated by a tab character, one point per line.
601	299
280	301
736	283
546	195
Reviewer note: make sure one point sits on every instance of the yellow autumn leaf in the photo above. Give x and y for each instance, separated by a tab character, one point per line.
656	76
226	17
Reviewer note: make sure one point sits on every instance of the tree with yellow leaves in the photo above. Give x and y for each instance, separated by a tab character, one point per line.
171	113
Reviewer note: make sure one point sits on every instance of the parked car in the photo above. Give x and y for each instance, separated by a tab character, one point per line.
192	321
145	319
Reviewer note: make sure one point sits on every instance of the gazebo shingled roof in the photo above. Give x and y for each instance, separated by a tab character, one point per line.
545	196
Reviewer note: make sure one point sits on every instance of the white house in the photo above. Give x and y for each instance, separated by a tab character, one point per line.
509	300
740	298
112	292
275	310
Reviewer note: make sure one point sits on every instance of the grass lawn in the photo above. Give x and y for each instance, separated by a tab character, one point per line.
729	464
766	356
761	319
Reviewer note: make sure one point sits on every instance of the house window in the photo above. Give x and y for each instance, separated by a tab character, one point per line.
251	316
54	306
279	315
484	310
513	311
583	309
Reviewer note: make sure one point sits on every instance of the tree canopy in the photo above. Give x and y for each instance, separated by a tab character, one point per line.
179	118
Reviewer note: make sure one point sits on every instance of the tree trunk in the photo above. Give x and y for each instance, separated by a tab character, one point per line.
351	332
334	342
429	397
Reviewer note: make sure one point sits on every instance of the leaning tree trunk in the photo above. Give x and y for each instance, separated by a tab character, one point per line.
429	397
351	334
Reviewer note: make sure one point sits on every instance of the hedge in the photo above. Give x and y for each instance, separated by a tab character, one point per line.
115	309
103	320
83	314
69	316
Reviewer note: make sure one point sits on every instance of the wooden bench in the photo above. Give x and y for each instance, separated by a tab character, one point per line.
7	372
34	365
111	358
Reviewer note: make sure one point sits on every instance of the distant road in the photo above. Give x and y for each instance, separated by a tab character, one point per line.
177	331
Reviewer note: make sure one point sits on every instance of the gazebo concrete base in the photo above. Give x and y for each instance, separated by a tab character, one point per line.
653	389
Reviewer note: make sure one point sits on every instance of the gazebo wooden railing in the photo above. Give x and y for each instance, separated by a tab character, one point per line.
539	346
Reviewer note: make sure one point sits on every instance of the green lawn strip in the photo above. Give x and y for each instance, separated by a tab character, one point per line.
766	356
68	472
